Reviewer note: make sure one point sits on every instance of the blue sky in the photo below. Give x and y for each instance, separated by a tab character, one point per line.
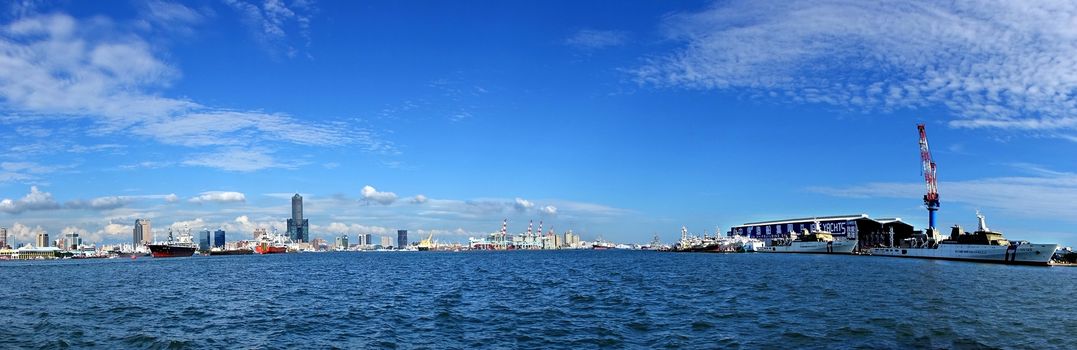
622	121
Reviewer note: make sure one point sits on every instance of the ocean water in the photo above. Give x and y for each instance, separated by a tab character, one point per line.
551	299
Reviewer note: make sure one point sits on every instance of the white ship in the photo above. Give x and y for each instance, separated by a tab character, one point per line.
816	241
983	245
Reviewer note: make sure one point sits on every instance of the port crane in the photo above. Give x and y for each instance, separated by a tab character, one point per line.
931	199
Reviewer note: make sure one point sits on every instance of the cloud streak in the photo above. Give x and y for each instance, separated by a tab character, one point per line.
1001	65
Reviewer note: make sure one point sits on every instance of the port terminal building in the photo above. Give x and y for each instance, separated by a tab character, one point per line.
868	232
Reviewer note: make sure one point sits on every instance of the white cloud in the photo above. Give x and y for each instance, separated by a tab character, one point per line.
591	39
171	198
1006	65
20	234
57	67
419	199
548	210
235	159
523	204
383	198
100	203
219	197
271	23
35	200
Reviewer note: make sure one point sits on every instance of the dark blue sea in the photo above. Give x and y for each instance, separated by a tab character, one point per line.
552	299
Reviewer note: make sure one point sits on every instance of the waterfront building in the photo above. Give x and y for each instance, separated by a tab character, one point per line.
3	237
42	240
298	227
368	239
203	240
869	232
259	233
401	239
218	238
386	242
572	240
71	241
142	234
342	242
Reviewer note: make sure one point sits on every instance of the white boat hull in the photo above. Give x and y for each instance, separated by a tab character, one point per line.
835	247
1027	254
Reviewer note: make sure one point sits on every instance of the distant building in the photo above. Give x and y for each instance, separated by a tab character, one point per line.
203	240
867	231
386	241
342	242
218	238
142	234
3	237
401	238
318	244
259	233
71	241
42	240
571	240
368	239
298	227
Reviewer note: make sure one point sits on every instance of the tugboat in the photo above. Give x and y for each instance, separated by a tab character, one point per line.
271	244
816	241
181	247
983	245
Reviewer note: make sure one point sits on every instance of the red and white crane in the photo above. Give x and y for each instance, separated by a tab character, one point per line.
931	199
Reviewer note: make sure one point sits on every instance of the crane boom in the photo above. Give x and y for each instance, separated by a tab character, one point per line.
931	199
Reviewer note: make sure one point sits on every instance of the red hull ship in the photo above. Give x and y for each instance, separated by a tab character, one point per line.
266	248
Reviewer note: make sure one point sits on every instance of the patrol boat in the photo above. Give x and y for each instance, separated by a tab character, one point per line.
983	245
814	241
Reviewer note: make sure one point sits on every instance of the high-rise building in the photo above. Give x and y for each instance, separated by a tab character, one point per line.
342	242
3	237
42	239
143	235
218	238
71	241
369	239
298	227
386	241
203	240
401	239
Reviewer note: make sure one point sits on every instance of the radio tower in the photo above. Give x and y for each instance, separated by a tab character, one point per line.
931	199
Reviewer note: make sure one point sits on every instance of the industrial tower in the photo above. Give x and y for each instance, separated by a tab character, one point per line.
931	199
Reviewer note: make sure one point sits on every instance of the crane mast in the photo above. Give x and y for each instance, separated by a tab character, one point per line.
931	199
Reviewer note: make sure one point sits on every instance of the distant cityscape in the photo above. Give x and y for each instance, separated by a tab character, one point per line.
295	239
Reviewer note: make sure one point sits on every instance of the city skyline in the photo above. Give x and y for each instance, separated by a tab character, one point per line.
702	114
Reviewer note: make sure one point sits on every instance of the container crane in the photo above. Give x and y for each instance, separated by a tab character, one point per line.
931	199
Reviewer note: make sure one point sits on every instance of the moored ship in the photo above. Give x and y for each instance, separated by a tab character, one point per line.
271	244
983	245
816	241
183	246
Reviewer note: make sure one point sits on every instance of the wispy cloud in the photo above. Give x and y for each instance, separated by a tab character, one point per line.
274	23
592	39
55	67
1004	65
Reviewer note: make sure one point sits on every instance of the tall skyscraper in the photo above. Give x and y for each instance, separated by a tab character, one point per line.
42	239
298	228
218	238
143	235
401	239
3	237
203	240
